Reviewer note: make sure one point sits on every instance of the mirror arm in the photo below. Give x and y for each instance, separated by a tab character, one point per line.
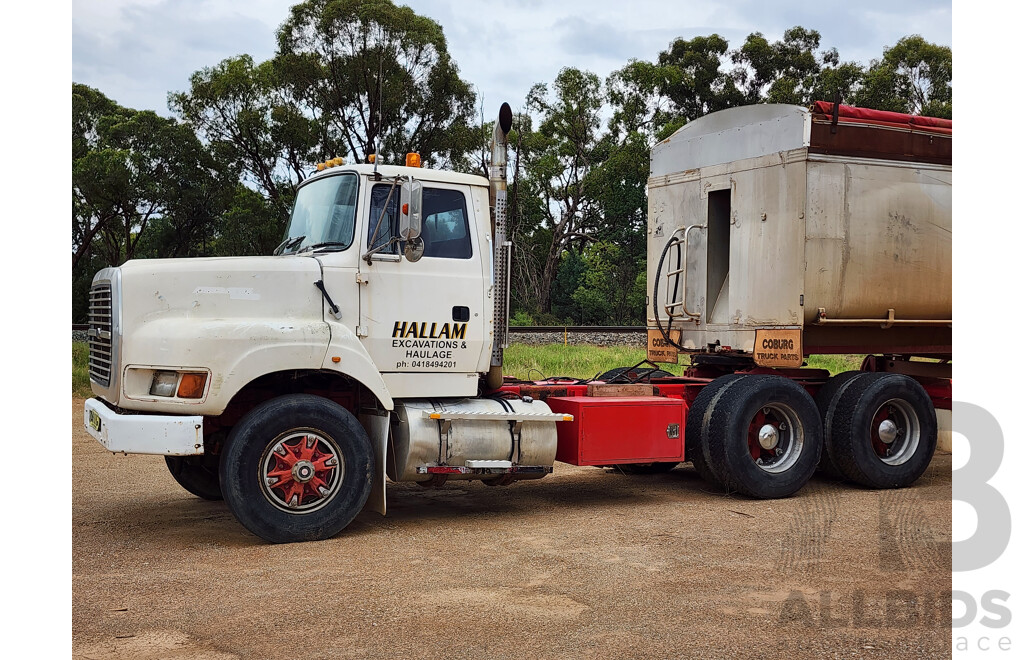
368	257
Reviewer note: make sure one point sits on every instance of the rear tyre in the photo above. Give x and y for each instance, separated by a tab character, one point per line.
696	428
884	431
297	468
764	436
196	474
645	468
826	399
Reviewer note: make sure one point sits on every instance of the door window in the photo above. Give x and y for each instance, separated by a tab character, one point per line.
445	231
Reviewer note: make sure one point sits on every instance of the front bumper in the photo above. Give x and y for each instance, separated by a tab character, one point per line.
167	435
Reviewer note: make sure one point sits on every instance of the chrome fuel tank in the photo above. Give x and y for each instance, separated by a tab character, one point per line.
418	441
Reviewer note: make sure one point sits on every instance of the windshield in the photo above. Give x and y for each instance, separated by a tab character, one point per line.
324	215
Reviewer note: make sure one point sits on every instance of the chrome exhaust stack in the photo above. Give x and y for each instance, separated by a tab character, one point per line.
502	257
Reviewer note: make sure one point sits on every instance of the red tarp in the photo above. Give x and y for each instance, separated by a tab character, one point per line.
885	118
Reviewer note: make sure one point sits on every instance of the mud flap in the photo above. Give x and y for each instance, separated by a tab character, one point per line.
377	429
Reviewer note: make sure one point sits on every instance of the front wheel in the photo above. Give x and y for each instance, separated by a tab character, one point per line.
196	474
297	468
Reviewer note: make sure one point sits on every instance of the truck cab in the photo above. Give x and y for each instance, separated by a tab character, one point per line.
424	315
291	384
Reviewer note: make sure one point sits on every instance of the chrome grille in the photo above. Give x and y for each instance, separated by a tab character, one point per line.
100	333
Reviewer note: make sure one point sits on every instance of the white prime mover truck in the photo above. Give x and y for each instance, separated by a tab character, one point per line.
369	346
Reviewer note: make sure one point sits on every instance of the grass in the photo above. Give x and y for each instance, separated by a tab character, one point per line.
527	362
80	369
538	362
835	363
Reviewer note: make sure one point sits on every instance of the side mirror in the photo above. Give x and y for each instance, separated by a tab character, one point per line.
411	211
414	248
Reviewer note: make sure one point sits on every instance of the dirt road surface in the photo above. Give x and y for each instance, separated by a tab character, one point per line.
585	563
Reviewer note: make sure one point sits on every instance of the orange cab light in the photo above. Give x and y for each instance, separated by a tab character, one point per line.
371	158
191	385
412	159
320	167
338	161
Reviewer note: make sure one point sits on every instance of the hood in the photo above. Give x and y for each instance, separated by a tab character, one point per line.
220	288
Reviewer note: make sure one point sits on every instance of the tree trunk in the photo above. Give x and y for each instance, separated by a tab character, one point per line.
547	276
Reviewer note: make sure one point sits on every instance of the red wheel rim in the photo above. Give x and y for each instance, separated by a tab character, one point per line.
895	421
783	437
301	471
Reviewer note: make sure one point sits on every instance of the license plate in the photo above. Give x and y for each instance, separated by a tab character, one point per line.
94	421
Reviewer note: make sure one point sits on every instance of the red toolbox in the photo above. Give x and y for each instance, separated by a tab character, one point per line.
607	430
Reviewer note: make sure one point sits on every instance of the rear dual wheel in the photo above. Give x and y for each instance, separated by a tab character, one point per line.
882	432
697	419
761	436
826	399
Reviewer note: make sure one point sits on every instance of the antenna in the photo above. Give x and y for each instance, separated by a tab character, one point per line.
380	113
483	145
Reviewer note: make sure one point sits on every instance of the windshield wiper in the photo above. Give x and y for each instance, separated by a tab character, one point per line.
325	244
288	243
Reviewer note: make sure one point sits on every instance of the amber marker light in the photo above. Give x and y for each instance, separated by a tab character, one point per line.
191	385
371	158
412	159
335	359
320	167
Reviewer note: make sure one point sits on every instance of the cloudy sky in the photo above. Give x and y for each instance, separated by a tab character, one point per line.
136	51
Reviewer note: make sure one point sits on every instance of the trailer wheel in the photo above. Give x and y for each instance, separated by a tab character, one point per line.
645	468
696	428
297	468
827	398
196	474
764	436
884	431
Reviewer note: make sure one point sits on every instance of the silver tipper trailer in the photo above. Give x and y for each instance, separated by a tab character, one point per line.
777	231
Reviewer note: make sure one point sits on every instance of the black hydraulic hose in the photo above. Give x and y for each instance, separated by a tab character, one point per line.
666	333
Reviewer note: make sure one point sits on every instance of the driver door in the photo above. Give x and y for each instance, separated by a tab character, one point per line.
423	322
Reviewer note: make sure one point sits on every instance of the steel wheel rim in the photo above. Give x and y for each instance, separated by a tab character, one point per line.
301	471
895	419
788	438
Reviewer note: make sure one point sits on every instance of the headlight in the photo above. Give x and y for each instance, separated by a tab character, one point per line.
164	383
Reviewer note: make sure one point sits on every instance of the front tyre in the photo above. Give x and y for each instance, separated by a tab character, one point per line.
196	474
296	468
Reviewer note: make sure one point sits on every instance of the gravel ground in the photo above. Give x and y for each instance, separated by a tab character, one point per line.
581	338
585	563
